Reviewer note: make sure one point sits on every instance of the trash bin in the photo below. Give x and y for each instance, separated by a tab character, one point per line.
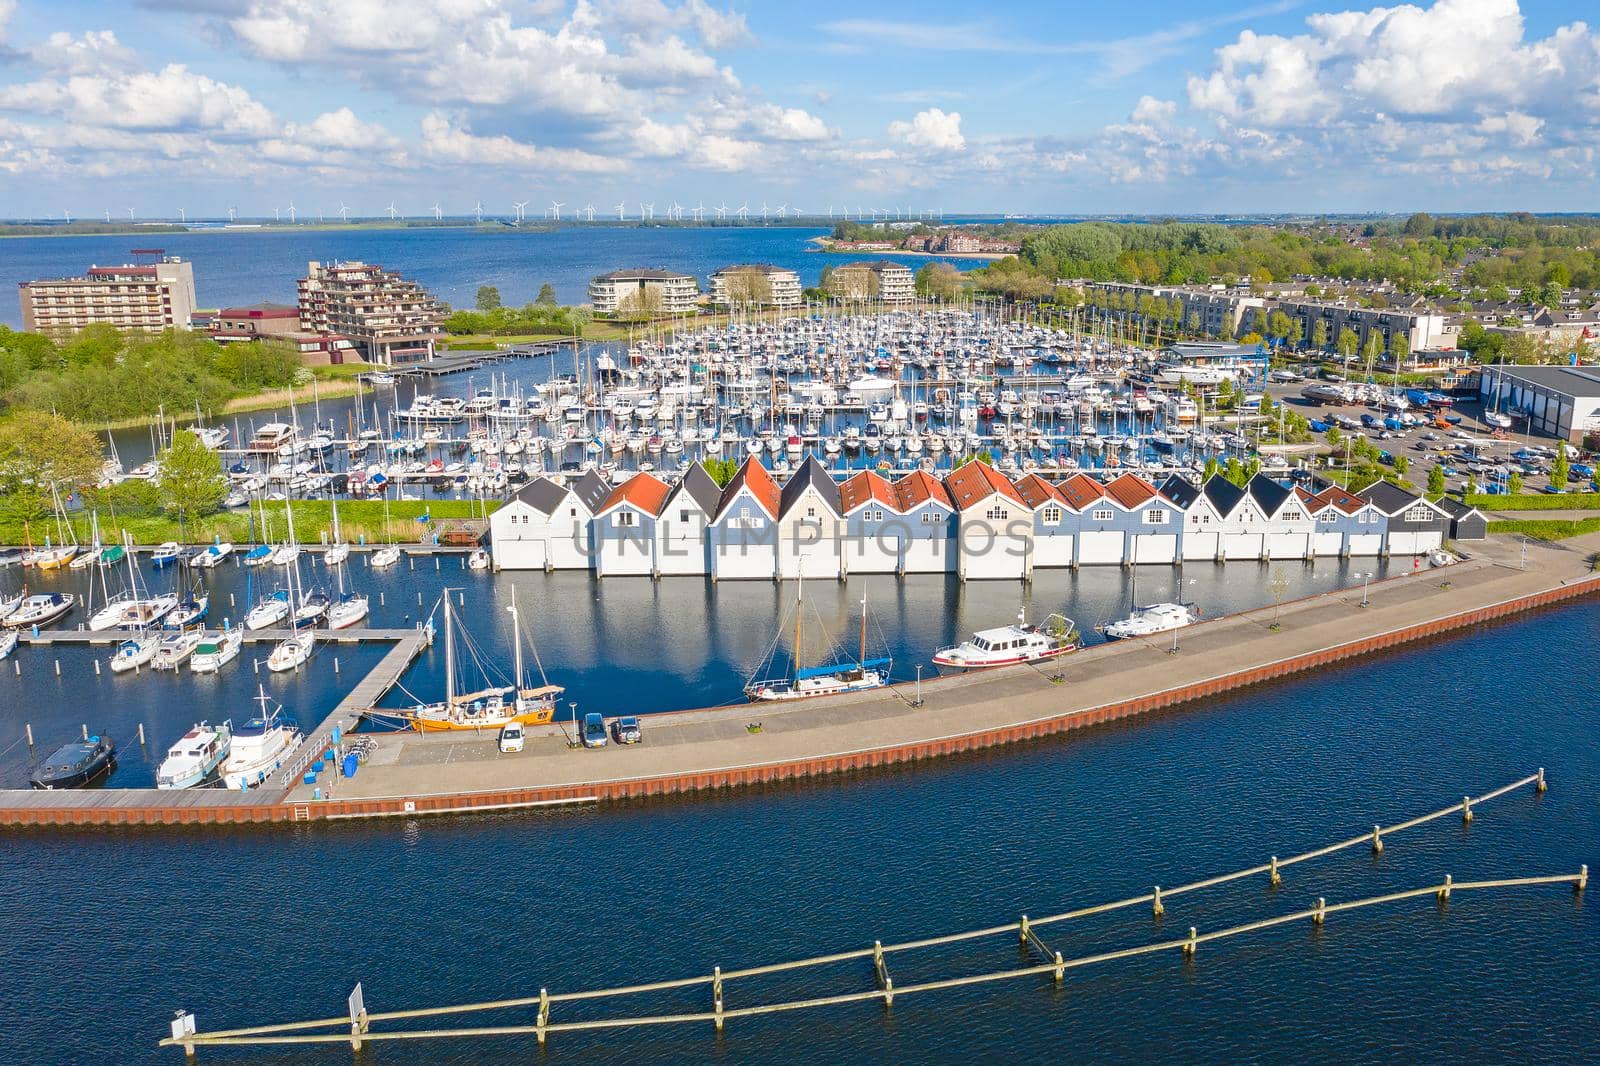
350	764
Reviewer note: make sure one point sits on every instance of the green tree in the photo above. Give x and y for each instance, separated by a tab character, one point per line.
39	450
938	280
1514	483
1319	334
1212	467
748	287
1347	342
1402	463
190	479
547	296
1436	482
488	298
722	471
1400	348
1559	468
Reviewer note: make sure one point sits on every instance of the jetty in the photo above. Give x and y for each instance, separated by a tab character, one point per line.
411	774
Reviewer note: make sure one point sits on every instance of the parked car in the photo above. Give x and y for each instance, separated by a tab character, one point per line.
511	737
625	730
594	731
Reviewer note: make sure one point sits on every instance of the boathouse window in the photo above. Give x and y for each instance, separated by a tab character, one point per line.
811	512
995	514
1328	519
1103	514
874	516
683	516
1417	514
573	511
1051	515
1155	517
625	518
1292	516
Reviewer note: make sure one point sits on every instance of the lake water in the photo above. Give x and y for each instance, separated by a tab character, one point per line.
233	267
108	931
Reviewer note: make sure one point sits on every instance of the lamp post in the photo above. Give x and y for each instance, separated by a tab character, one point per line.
1366	578
917	702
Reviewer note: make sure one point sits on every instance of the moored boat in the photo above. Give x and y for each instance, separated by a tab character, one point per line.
165	554
1020	642
805	682
134	653
216	651
175	649
195	756
291	653
260	745
40	610
76	764
1152	619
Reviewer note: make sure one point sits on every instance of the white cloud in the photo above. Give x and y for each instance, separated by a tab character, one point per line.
452	142
171	99
933	129
94	52
1150	111
343	130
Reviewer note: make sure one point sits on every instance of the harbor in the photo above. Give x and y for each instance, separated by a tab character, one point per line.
693	751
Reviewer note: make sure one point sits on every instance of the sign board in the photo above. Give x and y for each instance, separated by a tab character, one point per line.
182	1025
358	1005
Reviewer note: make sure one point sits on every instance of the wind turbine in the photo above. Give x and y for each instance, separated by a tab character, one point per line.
763	210
675	212
182	217
66	215
699	211
233	214
275	216
744	211
620	209
391	210
588	212
291	212
555	209
520	205
130	214
344	212
783	210
648	210
438	215
478	211
108	214
722	210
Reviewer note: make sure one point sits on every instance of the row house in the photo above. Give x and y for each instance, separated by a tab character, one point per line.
975	522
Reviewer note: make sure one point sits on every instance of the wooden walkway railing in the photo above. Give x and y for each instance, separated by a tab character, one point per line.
356	1028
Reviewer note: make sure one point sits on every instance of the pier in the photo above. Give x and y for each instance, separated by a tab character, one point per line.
684	752
1039	960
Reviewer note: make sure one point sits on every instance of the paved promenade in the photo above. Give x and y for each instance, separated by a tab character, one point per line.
708	748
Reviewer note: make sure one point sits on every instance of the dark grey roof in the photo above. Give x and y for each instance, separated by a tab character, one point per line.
813	473
1575	381
700	487
592	489
1223	494
764	268
542	494
643	274
1388	497
1268	494
1456	509
1180	491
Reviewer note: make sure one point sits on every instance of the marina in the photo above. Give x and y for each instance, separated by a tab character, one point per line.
411	773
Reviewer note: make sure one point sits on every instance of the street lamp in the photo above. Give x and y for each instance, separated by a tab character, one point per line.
917	702
1366	578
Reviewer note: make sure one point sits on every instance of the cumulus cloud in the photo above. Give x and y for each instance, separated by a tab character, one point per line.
1150	111
96	51
934	130
453	142
341	129
173	98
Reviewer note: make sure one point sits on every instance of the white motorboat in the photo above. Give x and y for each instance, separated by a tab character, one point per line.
260	746
40	610
1020	642
1152	619
134	652
385	557
175	648
216	651
292	653
478	560
8	643
193	758
133	611
211	556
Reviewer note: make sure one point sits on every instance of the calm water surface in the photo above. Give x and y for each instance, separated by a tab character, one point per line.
107	932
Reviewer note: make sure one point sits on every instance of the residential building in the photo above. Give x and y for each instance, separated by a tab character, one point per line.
143	297
1421	327
881	279
755	285
642	290
391	321
255	321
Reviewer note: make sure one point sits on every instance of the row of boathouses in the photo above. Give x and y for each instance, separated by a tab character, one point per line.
974	522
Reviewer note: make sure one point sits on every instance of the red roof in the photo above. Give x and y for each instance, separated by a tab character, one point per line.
1312	503
645	491
1334	496
863	488
917	488
1080	490
754	476
1130	490
1036	491
976	482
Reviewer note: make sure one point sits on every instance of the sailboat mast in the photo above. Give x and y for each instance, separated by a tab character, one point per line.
799	614
516	637
449	654
861	659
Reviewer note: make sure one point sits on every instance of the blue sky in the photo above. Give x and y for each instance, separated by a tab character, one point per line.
1146	107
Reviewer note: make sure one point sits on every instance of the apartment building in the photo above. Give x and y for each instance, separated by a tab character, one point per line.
390	320
755	285
888	282
146	297
640	289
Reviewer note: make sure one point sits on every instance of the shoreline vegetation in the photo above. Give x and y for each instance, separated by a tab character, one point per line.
830	246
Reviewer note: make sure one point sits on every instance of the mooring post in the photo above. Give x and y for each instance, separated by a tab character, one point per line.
1319	913
1022	930
716	993
1583	878
29	728
1273	877
1377	842
881	969
1061	968
1190	945
1466	808
1444	890
544	1015
141	734
1156	908
1540	786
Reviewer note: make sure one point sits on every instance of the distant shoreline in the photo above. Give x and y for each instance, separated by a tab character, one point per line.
824	244
8	230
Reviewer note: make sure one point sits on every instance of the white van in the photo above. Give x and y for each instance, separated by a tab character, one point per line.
511	737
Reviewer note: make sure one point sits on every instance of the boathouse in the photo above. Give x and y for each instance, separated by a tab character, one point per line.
1054	533
1466	521
1151	525
625	527
874	528
1359	524
743	534
540	528
810	529
1412	524
1288	532
929	546
995	526
1082	495
682	531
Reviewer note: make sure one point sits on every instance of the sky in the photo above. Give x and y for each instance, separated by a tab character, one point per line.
1163	106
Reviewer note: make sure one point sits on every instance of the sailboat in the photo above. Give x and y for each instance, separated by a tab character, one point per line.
130	609
486	708
84	560
57	556
338	551
389	554
292	652
829	680
350	608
